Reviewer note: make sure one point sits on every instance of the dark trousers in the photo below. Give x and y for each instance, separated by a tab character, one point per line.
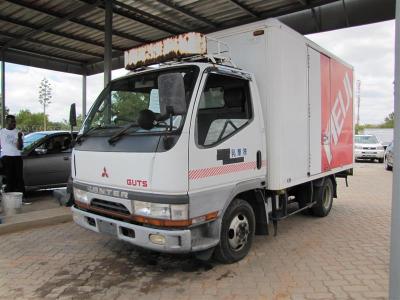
13	170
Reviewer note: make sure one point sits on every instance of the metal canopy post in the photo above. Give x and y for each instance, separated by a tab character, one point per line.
394	286
83	97
108	41
108	52
3	90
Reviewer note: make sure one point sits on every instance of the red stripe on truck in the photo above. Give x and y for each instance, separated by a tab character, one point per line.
222	170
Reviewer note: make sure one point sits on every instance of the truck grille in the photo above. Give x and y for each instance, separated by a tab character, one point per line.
111	206
369	148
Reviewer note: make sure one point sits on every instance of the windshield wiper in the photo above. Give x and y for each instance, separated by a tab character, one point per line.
113	139
85	134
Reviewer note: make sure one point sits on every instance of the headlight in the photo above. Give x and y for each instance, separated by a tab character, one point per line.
380	148
81	195
358	147
161	211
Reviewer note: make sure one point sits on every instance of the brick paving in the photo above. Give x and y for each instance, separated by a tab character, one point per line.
342	256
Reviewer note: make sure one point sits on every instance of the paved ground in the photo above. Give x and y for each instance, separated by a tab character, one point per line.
342	256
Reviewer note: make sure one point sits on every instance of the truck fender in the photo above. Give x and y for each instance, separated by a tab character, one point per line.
251	191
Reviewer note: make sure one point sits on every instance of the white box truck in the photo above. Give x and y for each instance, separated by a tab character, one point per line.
211	138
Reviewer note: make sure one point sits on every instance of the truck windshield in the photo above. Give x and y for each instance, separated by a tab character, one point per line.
121	102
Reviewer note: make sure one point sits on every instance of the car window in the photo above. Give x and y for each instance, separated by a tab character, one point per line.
366	139
31	138
56	144
224	108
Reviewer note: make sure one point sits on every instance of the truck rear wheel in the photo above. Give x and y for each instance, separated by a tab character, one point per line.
237	232
323	196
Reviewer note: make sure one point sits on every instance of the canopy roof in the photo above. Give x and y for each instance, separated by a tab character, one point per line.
68	35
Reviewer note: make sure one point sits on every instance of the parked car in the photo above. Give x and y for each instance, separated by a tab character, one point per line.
46	156
389	156
368	147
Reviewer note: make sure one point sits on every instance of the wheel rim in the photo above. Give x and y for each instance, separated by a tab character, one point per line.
327	197
238	232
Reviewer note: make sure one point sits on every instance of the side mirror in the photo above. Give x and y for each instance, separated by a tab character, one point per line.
146	119
171	89
40	151
72	115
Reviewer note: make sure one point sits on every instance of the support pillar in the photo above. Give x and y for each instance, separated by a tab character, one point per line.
108	53
83	97
108	41
3	91
394	282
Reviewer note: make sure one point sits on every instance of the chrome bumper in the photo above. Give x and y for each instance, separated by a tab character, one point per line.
369	154
176	241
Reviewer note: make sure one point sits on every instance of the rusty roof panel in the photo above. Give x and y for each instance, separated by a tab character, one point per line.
186	44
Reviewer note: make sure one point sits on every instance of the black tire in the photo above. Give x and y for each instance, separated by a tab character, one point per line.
303	197
387	167
380	160
238	211
323	196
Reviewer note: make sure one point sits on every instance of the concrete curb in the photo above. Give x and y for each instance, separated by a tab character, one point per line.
35	219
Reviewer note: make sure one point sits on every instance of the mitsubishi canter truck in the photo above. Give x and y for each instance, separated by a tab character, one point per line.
211	138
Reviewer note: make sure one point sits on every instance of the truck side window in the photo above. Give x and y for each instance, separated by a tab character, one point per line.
224	108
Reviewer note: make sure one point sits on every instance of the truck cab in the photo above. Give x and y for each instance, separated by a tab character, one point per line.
138	163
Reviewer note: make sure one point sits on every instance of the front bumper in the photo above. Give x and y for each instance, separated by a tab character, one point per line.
369	154
176	241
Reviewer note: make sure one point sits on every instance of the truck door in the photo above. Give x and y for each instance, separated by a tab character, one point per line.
227	145
330	113
319	97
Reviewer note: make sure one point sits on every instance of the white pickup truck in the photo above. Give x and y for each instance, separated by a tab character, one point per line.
225	134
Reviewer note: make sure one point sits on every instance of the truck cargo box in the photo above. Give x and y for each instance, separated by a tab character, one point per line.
307	100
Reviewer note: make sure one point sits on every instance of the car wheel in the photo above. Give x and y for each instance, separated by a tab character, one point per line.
323	196
387	166
380	160
237	232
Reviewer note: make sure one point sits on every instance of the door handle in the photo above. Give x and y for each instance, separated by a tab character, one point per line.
259	161
66	158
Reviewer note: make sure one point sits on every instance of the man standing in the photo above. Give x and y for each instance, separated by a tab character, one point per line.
11	141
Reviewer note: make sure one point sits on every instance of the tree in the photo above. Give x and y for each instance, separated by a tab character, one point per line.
128	105
389	121
30	122
66	126
45	98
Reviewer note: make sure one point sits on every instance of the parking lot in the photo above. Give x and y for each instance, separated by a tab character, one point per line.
342	256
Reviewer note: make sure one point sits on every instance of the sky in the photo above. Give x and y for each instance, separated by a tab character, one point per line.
369	48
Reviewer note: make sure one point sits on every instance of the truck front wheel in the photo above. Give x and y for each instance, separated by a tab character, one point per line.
237	232
323	196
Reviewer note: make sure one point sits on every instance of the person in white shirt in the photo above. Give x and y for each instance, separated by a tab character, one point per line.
11	142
